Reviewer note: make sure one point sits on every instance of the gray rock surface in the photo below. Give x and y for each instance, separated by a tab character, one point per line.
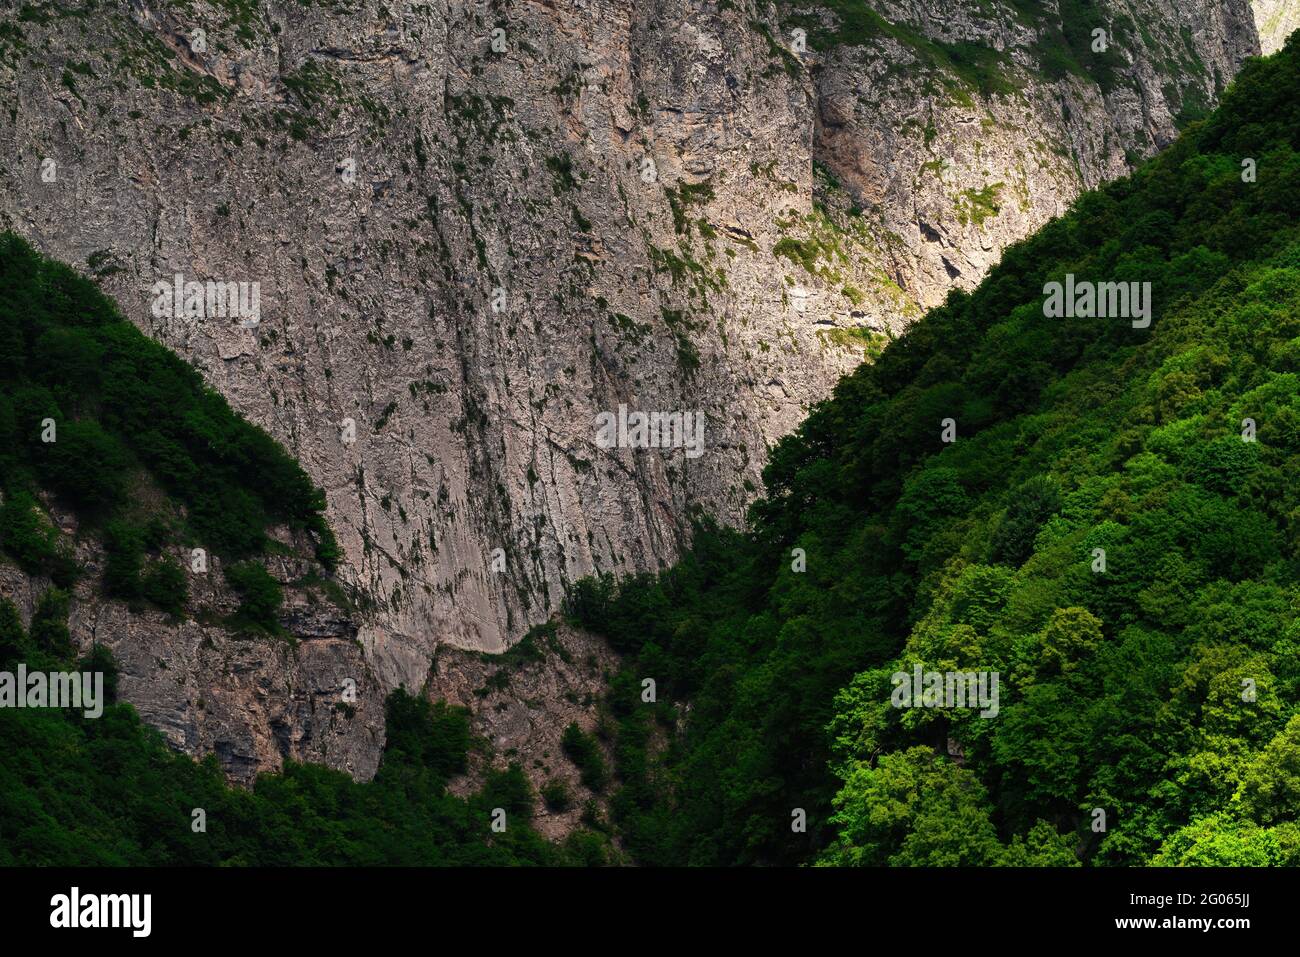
252	700
470	253
520	708
1276	20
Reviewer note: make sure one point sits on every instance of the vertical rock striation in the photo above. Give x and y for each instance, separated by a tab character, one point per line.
477	226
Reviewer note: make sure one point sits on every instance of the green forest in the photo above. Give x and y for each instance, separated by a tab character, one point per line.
1115	531
129	437
104	421
107	791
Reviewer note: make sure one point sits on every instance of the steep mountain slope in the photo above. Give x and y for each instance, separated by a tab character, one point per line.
128	490
1094	508
107	792
468	243
1275	20
135	501
1110	528
962	127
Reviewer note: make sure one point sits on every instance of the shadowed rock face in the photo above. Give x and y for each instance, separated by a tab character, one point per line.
253	701
522	705
469	244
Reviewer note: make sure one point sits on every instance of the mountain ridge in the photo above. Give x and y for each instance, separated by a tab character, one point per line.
388	175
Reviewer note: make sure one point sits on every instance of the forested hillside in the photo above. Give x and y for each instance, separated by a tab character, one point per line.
108	792
128	437
99	421
1115	531
1101	511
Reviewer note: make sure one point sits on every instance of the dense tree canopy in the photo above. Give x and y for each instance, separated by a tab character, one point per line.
98	415
1115	532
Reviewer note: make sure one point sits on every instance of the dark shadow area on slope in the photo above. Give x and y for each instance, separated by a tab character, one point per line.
127	435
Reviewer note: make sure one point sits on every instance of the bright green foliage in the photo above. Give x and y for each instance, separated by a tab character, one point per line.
1221	840
1163	690
913	809
1270	784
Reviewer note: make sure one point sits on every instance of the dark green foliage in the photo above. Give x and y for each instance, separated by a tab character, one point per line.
1123	689
1032	504
584	752
13	638
260	595
49	630
526	650
1064	44
434	735
1067	45
101	660
556	795
108	792
86	466
165	584
123	560
124	414
33	541
129	576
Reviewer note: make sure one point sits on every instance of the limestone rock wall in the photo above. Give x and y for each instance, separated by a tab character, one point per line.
476	226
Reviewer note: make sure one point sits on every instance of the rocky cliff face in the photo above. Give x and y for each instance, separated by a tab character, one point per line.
477	226
522	703
950	176
251	700
1276	20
